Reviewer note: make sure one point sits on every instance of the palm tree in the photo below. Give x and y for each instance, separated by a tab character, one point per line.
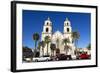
89	47
57	51
57	41
66	47
42	44
35	38
39	47
53	47
75	37
47	41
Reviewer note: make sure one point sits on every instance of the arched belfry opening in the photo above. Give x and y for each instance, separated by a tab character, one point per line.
47	29
67	29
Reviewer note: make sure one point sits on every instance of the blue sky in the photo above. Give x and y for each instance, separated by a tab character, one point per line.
33	21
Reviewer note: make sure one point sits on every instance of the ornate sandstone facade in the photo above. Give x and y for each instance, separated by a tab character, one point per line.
57	37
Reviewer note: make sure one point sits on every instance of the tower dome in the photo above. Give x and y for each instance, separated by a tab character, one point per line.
67	22
67	26
48	22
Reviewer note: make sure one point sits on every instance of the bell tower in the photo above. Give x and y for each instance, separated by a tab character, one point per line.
47	29
67	28
68	34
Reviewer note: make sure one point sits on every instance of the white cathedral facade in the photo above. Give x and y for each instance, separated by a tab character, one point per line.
54	36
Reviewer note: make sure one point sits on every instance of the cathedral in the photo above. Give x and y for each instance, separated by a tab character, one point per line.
57	37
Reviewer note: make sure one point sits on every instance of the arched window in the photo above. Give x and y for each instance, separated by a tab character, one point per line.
47	29
67	29
47	23
67	23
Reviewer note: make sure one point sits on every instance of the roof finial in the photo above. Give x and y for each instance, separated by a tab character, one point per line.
48	18
66	19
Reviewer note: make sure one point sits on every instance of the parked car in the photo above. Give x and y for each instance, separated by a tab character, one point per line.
28	59
84	56
44	58
63	57
69	57
74	57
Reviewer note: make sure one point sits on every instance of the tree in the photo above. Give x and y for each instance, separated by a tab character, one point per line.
75	37
47	41
38	48
89	47
53	47
66	47
57	51
27	53
42	44
35	38
57	41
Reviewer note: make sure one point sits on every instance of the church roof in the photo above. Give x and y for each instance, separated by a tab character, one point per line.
58	33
